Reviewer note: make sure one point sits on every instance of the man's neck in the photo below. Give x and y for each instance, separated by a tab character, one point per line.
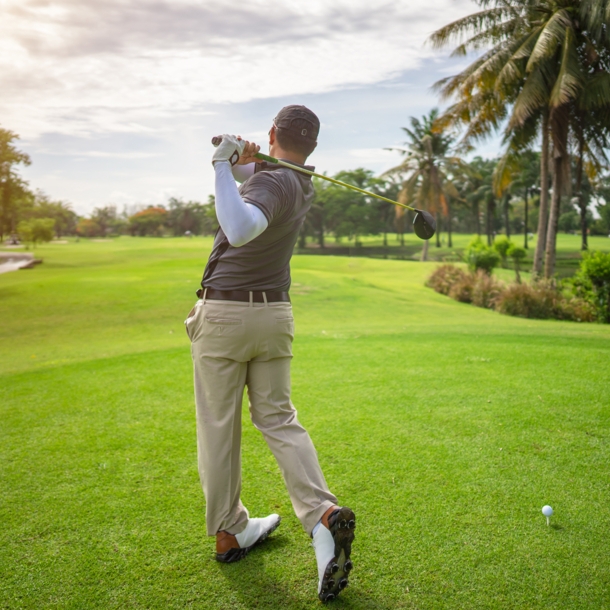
279	153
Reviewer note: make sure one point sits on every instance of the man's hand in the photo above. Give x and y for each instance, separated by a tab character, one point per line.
230	149
247	156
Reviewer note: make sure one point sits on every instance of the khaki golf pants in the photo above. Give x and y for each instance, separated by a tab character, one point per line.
235	345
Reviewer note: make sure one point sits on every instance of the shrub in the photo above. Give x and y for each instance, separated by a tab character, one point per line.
479	256
517	253
579	310
444	277
463	288
543	300
595	272
502	245
486	290
527	301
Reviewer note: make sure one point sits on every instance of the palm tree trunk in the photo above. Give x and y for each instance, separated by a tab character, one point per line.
551	235
560	174
544	198
506	225
581	203
477	217
583	224
424	251
525	229
489	224
438	229
449	241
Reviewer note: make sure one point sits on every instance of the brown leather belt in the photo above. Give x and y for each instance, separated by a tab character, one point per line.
243	295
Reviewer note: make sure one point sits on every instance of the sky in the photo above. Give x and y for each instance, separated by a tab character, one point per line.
116	101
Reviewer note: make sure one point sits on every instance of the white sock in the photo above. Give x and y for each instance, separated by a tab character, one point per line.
324	546
315	528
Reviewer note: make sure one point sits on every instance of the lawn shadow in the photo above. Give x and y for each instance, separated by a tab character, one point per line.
256	588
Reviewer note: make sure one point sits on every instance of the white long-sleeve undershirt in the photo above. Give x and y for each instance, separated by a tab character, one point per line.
241	221
242	172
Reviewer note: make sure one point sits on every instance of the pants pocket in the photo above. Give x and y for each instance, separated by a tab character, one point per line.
188	323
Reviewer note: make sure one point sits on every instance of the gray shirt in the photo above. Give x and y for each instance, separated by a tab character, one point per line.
284	196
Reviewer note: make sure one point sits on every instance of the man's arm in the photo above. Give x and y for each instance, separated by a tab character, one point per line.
242	172
240	221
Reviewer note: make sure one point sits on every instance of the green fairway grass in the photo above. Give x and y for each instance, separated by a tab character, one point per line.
568	249
444	426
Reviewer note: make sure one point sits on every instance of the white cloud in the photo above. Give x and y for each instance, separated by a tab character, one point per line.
375	155
122	66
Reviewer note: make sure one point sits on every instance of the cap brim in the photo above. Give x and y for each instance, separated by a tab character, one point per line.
424	224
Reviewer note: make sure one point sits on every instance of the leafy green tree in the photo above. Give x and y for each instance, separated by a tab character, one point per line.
346	213
192	216
86	227
36	230
148	222
106	219
315	222
209	224
65	218
13	190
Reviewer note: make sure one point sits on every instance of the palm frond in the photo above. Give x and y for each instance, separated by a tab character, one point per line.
550	39
533	96
569	80
596	93
483	39
513	70
457	30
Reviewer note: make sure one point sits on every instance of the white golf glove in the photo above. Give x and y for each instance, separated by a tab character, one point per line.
229	149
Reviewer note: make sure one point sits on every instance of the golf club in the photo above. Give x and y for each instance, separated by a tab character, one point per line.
424	224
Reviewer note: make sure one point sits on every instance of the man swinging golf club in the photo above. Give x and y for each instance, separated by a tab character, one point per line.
241	332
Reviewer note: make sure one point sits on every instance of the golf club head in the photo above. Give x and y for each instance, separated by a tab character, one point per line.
424	224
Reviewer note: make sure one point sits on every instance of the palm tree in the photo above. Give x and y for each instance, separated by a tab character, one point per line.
519	173
548	59
478	190
427	168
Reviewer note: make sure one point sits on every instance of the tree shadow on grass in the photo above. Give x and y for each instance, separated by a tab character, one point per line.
250	580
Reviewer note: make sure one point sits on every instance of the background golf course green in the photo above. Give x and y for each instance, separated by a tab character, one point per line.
445	427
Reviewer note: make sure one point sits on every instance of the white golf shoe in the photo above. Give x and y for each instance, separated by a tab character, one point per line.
230	548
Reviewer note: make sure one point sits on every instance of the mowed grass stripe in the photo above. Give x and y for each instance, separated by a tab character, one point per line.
446	427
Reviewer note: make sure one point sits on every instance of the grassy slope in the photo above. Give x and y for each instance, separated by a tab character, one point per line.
446	427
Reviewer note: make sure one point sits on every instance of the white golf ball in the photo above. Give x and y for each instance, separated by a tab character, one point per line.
547	511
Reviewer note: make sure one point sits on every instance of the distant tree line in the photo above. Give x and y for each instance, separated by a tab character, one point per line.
482	196
32	217
175	218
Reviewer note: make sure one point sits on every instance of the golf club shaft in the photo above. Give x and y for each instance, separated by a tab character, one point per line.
216	141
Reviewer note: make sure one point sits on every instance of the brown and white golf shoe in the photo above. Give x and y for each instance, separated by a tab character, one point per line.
231	548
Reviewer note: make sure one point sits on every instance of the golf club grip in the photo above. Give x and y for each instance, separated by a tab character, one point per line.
216	140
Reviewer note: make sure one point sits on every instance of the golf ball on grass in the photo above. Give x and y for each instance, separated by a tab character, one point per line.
547	511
